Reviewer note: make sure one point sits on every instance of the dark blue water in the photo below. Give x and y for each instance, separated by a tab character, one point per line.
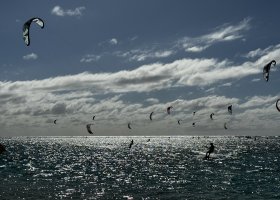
105	168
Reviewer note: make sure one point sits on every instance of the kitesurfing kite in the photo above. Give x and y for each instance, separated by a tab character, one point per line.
277	105
128	125
26	28
266	69
179	121
89	128
168	109
225	125
211	116
151	116
230	109
55	121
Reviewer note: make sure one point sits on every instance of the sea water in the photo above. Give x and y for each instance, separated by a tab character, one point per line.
162	168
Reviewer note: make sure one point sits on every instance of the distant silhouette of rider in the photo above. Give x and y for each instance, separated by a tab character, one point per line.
210	150
131	143
2	148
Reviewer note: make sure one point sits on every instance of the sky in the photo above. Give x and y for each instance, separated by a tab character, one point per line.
121	60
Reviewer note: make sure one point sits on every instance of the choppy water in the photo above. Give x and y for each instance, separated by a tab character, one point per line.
164	168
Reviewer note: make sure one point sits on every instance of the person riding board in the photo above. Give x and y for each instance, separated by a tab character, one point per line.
131	143
210	150
2	148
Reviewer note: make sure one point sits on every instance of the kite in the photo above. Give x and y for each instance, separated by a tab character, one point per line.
26	28
230	109
128	125
151	116
168	109
266	69
277	105
89	128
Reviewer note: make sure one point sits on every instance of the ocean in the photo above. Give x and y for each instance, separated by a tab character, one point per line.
162	168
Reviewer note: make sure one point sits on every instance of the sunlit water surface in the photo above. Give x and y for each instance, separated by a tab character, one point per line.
162	168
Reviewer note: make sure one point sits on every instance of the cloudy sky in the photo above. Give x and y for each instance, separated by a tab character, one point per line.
122	60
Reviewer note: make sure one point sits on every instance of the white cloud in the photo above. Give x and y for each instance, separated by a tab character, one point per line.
133	38
113	41
90	58
146	54
151	77
260	52
75	108
162	54
58	11
31	56
196	48
152	100
254	53
211	90
221	34
142	55
262	101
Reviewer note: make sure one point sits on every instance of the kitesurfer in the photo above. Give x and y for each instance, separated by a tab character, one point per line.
210	150
2	148
131	143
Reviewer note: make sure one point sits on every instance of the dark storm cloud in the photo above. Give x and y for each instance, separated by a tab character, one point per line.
59	108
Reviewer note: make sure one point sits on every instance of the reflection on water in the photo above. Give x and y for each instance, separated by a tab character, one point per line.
162	168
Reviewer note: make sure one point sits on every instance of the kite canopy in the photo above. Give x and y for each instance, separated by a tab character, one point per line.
266	69
26	28
225	125
89	128
230	109
169	109
128	125
211	116
55	121
277	107
151	116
